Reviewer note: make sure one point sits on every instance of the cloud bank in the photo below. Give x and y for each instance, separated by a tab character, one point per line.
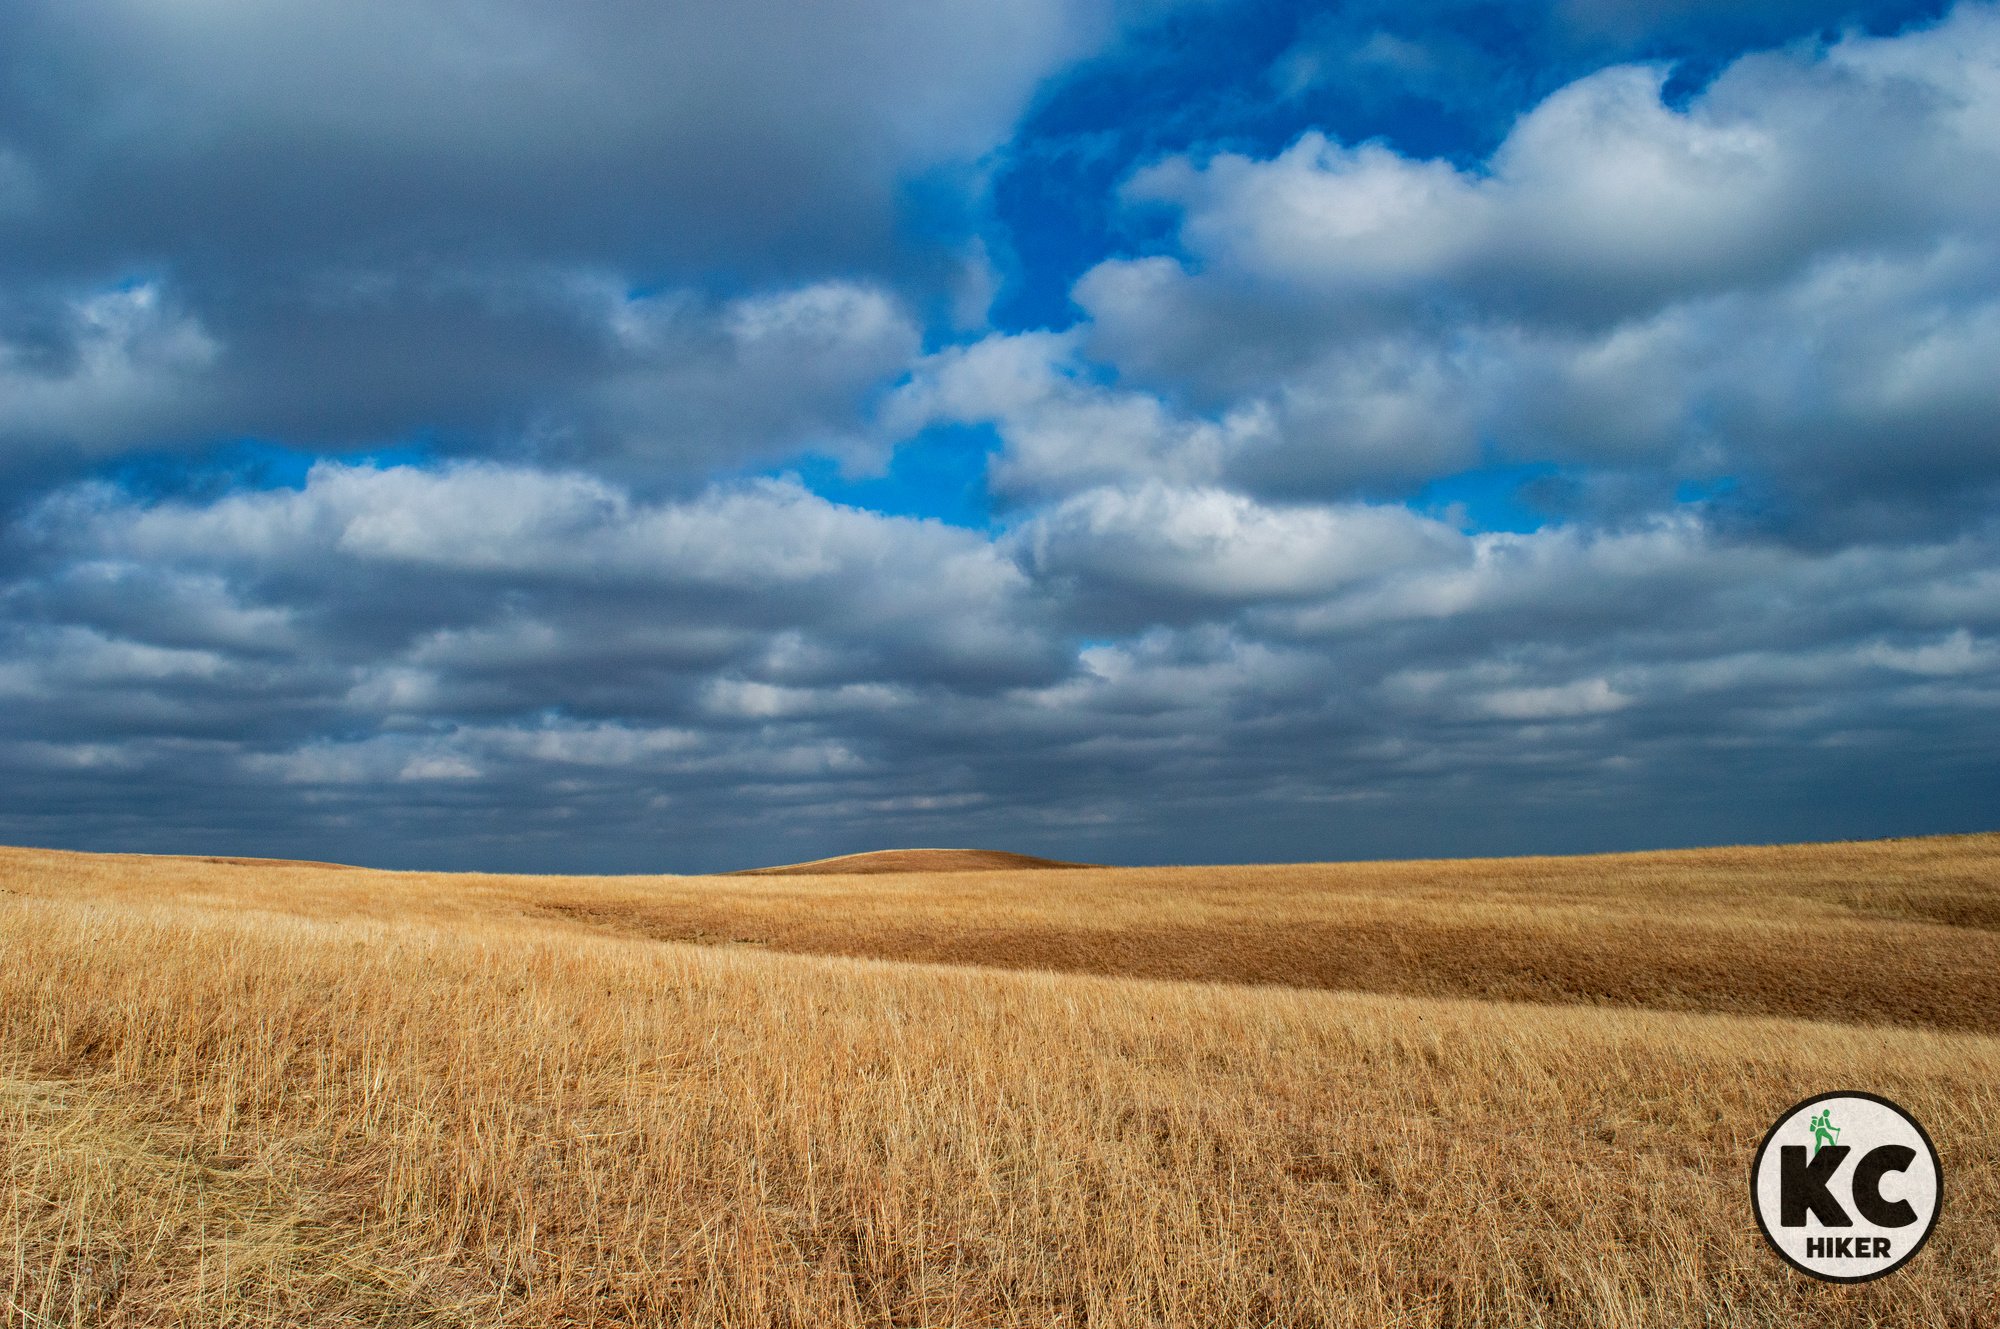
1631	478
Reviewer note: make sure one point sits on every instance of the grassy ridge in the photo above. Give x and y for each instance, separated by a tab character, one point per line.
884	861
266	1094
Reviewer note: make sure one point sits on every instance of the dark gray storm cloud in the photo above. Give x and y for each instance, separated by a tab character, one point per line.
234	137
497	664
494	225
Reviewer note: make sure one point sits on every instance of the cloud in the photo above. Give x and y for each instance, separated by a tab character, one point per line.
1059	428
470	549
119	365
1786	282
1166	553
287	132
669	240
766	373
569	367
1603	200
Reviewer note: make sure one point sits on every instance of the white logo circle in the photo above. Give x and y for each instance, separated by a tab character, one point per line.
1846	1186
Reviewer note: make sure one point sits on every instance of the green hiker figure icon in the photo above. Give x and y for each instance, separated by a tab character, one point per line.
1824	1131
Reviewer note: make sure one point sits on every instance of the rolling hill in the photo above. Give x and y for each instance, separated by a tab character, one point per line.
913	860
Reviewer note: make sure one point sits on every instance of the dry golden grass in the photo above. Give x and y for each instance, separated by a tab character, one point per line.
268	1094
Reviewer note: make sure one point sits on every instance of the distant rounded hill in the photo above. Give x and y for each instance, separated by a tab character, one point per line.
914	860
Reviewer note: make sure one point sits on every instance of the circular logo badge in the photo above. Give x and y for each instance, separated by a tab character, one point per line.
1846	1187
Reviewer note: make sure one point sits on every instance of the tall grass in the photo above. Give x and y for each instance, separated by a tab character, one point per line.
240	1095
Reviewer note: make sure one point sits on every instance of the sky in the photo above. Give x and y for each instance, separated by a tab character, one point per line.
623	437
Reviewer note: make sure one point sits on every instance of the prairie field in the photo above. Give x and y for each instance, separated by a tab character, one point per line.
1503	1092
